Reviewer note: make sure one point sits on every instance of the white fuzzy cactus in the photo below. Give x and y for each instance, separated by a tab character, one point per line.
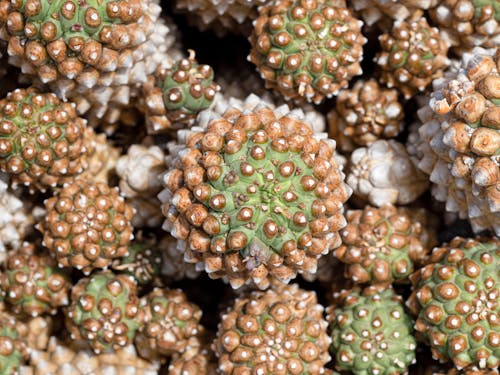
384	173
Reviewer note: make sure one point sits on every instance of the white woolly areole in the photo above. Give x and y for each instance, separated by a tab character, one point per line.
384	173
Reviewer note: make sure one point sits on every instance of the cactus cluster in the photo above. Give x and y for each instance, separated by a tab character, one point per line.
249	187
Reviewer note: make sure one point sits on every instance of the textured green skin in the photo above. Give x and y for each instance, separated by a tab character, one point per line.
97	288
480	4
102	243
397	48
163	301
28	301
10	365
70	28
399	348
306	46
29	130
459	279
258	244
280	328
188	105
394	255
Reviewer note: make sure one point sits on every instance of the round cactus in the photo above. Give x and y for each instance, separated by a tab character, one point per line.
143	262
412	55
365	114
174	96
256	195
307	49
273	332
94	53
104	311
382	245
372	335
384	173
63	38
32	284
172	324
41	139
456	298
87	225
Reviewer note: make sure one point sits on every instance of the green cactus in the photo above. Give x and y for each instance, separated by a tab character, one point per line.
372	334
41	139
307	51
188	88
456	297
104	311
11	346
32	283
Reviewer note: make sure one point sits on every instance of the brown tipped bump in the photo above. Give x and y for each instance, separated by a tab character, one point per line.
382	245
87	225
32	284
285	43
273	332
364	114
254	196
454	297
42	140
13	347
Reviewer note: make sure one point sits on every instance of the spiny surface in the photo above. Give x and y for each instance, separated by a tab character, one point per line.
65	358
384	173
15	219
222	16
381	13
